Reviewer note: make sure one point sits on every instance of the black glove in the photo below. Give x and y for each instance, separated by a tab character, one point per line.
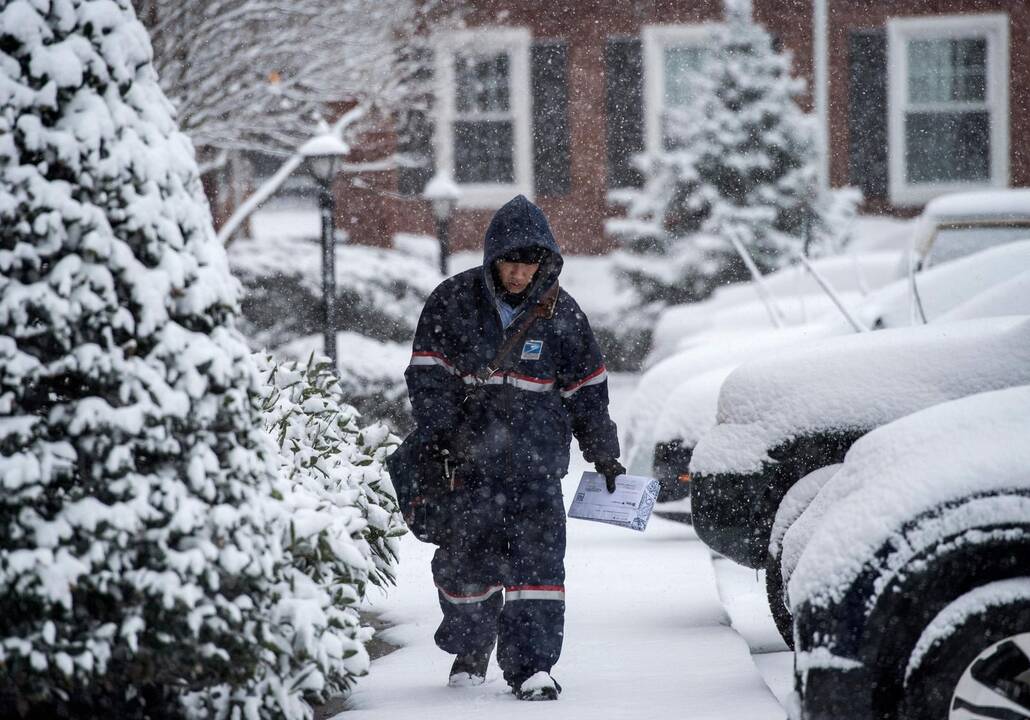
610	468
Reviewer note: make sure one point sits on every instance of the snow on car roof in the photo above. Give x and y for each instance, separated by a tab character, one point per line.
796	291
879	232
690	409
655	385
950	452
1011	297
1004	203
860	271
739	320
858	382
943	287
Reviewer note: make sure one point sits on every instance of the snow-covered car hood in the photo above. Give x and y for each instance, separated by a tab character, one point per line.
688	413
962	450
657	383
857	382
690	409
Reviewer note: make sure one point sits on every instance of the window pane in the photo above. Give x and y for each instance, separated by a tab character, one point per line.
483	152
959	241
947	147
947	70
680	64
481	83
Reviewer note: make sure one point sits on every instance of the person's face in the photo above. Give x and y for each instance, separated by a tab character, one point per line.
516	276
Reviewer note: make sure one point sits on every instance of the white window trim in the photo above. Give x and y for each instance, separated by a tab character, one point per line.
993	26
655	39
516	41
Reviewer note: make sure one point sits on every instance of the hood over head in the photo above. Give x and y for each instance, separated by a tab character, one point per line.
516	225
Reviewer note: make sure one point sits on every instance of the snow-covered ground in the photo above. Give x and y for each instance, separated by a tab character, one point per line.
648	632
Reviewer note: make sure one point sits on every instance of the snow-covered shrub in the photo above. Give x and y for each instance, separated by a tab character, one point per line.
144	552
739	161
380	292
338	520
370	374
332	462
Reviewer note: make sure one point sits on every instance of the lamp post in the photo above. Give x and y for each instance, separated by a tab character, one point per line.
321	154
443	194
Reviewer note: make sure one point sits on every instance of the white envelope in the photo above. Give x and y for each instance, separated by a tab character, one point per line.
629	506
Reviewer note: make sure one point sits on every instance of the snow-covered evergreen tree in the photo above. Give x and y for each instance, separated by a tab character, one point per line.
741	161
147	553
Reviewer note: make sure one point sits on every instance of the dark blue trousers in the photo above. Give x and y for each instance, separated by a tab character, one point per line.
502	577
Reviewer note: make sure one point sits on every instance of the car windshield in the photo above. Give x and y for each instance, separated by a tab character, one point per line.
955	241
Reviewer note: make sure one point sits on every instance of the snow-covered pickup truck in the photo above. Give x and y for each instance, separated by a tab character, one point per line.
785	416
959	224
909	571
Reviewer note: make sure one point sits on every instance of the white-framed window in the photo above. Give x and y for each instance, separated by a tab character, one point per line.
948	88
672	54
483	135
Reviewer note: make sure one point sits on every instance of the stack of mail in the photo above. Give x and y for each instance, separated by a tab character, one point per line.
629	506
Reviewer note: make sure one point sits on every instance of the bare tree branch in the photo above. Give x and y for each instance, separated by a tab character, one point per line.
273	183
257	75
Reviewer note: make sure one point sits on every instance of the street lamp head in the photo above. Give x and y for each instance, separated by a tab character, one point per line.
443	194
322	154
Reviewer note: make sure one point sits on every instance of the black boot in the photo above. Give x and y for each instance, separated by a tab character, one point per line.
539	686
470	669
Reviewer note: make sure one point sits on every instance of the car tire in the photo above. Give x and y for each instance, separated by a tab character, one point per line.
793	505
982	661
778	600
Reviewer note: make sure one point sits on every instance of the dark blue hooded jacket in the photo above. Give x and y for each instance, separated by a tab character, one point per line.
520	422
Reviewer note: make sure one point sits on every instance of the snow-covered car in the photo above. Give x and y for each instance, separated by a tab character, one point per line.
738	308
944	287
675	400
783	417
688	413
959	224
663	441
911	594
658	385
951	226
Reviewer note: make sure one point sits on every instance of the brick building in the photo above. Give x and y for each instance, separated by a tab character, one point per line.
917	97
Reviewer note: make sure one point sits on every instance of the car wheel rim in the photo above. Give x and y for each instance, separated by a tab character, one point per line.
996	684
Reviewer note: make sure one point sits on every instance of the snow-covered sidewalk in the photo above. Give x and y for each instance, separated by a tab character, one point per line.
646	634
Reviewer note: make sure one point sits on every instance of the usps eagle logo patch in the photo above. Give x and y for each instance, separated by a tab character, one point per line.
532	349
